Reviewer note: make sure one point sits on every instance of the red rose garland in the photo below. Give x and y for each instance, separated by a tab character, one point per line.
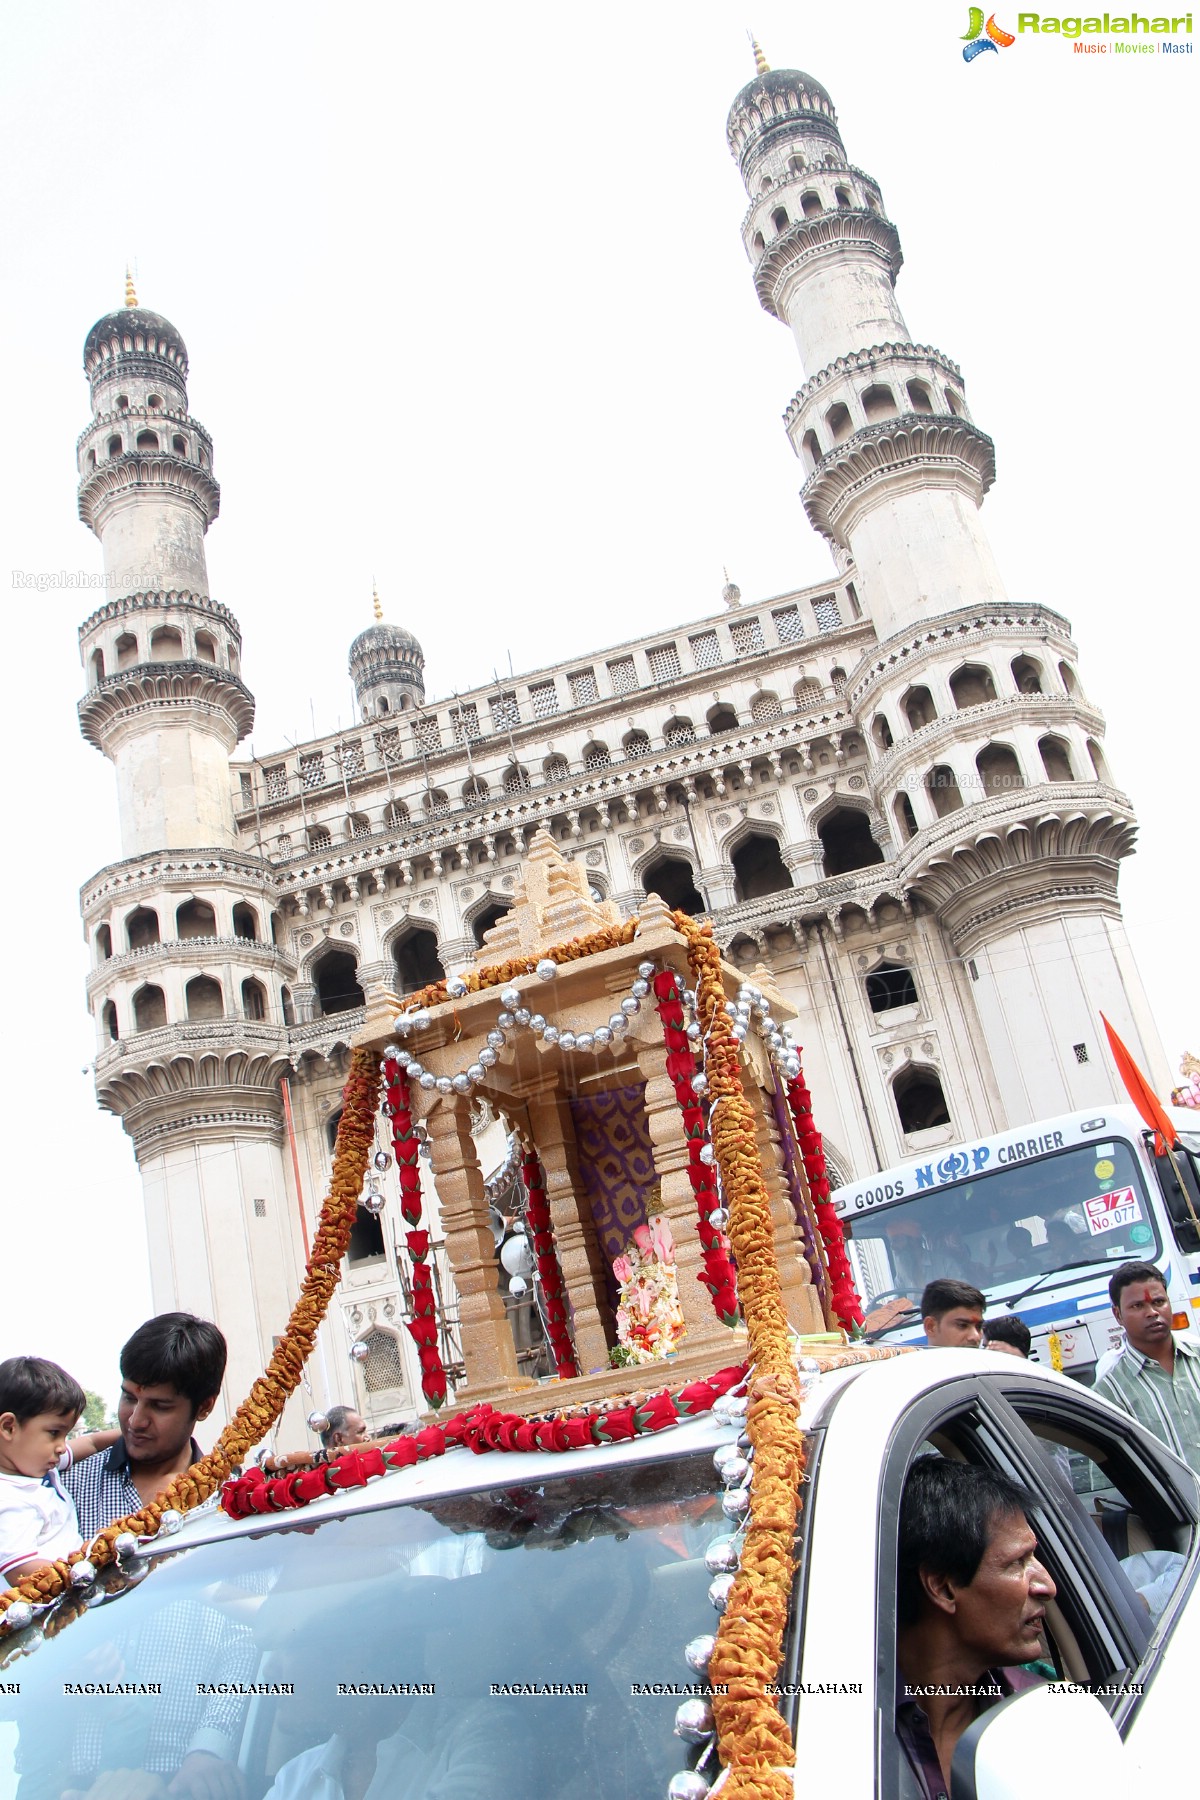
424	1323
480	1429
719	1276
843	1297
554	1298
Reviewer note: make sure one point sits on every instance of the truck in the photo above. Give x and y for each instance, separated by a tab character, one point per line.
1037	1218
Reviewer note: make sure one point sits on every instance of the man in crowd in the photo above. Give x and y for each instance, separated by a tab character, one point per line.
345	1428
952	1314
1154	1379
1008	1334
971	1598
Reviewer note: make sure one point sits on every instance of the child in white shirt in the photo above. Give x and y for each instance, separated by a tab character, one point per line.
39	1404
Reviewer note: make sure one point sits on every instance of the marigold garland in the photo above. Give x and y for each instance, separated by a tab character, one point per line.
423	1326
844	1298
271	1391
719	1276
753	1739
537	1217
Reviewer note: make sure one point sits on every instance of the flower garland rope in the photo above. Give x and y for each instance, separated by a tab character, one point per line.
690	1083
754	1741
844	1298
423	1326
537	1215
271	1391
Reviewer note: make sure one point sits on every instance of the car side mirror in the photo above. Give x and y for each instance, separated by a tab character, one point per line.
1058	1738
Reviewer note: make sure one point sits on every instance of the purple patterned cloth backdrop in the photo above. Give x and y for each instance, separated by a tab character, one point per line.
805	1217
616	1165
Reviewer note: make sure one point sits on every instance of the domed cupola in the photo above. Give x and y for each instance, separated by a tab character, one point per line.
387	667
775	105
132	342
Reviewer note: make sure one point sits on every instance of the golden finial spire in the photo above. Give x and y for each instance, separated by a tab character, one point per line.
761	65
130	290
376	602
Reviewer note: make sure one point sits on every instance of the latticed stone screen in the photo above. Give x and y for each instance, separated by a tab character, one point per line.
464	721
387	743
827	613
384	1365
543	697
664	662
276	778
505	712
623	675
747	635
426	735
351	758
312	769
706	650
789	626
583	687
765	707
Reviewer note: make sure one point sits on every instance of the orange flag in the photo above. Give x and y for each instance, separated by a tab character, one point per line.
1140	1091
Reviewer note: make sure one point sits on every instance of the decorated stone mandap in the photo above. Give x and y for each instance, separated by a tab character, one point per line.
676	1208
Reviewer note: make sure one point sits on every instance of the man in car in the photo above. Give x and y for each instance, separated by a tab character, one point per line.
971	1599
952	1314
1154	1379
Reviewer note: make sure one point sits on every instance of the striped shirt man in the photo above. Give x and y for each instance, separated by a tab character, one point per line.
1167	1405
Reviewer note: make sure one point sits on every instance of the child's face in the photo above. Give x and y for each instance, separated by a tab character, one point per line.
33	1448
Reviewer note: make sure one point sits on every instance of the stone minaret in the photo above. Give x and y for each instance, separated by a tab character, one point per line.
985	750
187	981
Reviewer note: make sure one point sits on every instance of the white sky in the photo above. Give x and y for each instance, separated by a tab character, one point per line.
467	310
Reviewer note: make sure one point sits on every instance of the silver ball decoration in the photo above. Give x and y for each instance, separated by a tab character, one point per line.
738	1034
462	1083
708	1155
617	1022
735	1470
456	987
404	1058
171	1520
317	1422
639	988
359	1353
729	1407
550	1034
693	1721
445	1084
401	1024
718	1218
125	1544
731	1009
536	1021
510	996
566	1040
699	1082
488	1057
523	1016
476	1072
719	1590
382	1160
645	970
735	1504
496	1039
603	1035
546	969
415	1070
723	1556
722	1454
504	1021
697	1652
689	1784
374	1203
83	1574
695	1031
429	1080
517	1285
420	1020
18	1615
631	1005
391	1054
585	1040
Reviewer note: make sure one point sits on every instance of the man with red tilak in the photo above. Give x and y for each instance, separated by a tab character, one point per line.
1155	1379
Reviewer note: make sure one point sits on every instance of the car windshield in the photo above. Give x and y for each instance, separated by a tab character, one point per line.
524	1641
1004	1230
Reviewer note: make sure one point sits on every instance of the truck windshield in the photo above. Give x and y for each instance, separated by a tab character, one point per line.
1002	1230
523	1641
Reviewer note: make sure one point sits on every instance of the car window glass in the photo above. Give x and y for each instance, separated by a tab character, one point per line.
527	1641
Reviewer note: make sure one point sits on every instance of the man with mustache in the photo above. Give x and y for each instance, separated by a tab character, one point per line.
971	1601
1156	1378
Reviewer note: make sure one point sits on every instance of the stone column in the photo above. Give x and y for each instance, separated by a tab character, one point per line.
488	1352
579	1254
801	1300
678	1203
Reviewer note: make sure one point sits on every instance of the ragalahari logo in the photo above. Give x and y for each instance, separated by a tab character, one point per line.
975	42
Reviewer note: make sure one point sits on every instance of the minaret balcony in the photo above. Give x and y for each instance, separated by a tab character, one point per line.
1043	712
184	952
162	473
828	236
911	451
164	688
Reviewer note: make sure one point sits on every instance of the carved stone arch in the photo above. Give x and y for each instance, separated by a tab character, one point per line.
489	900
840	801
741	829
406	922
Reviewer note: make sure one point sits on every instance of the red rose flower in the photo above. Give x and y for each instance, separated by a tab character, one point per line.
656	1412
418	1244
617	1424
